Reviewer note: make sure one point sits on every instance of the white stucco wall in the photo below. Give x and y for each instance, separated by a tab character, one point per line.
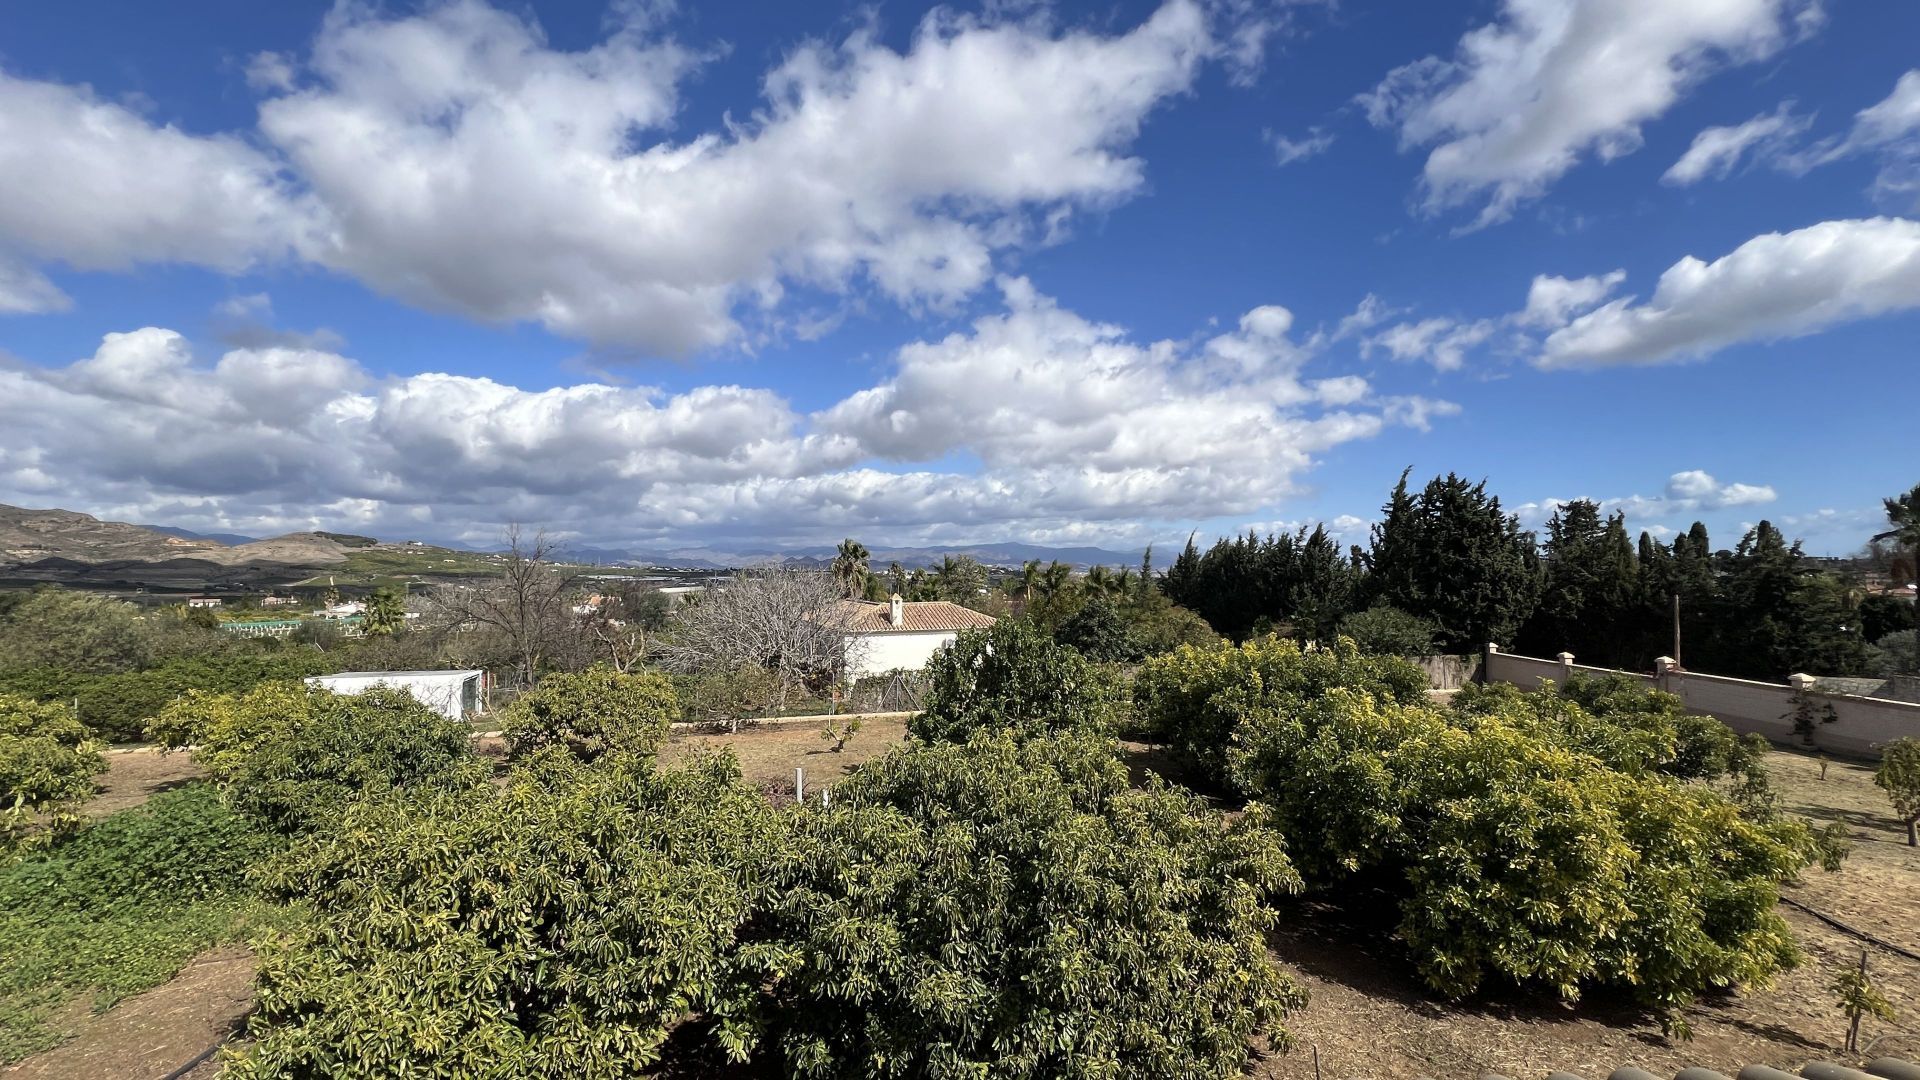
445	692
1862	725
877	654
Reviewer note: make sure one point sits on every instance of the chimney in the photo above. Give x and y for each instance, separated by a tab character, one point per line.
896	610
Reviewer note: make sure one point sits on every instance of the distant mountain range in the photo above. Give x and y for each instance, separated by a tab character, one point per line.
911	558
230	539
59	541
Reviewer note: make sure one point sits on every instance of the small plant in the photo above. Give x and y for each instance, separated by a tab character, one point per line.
839	735
1822	759
1899	776
1855	993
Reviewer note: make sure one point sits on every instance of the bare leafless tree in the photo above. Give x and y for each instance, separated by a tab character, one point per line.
792	623
528	604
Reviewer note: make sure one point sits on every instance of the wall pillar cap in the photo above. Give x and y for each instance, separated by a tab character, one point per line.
1801	680
1492	647
1565	657
1663	663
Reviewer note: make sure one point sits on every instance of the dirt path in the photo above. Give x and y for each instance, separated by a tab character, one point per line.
136	774
149	1035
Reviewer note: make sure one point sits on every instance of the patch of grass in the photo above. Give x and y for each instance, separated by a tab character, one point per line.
119	908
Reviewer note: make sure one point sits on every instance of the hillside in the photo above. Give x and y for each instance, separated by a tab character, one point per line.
31	535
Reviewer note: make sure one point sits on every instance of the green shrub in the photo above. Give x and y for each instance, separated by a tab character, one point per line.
559	926
294	756
1013	676
1013	908
1516	853
1099	633
47	759
1193	698
1388	630
119	908
592	713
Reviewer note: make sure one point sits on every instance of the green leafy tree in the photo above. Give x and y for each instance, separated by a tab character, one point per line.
1099	632
592	713
1589	602
1194	698
1899	776
48	759
386	611
561	925
294	757
1451	554
1012	675
1388	630
1015	908
1903	513
73	631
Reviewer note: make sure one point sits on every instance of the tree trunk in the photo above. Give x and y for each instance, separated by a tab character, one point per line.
1913	832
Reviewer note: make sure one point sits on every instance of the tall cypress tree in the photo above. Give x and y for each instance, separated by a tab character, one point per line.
1452	555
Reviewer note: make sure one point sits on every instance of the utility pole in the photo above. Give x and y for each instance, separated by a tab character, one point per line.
1676	630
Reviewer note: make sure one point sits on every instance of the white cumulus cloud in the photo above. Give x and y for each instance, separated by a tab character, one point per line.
1552	82
1716	151
458	160
1035	420
1777	285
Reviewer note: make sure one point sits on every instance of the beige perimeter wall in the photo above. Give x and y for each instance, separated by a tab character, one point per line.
1862	727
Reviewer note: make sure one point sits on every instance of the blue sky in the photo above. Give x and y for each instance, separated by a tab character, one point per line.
774	274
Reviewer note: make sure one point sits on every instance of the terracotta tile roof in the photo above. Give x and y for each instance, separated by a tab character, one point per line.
868	617
1877	1069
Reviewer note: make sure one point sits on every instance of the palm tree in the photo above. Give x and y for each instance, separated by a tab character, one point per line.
386	611
850	567
1029	577
1903	513
1122	583
1056	579
1099	581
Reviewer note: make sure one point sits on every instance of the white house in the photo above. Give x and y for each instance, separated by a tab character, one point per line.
902	634
455	695
203	601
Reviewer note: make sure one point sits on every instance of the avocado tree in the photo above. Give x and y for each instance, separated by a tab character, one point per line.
1899	776
560	925
1012	675
47	759
1015	908
592	713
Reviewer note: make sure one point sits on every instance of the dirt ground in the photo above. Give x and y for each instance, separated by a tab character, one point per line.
149	1035
135	775
1368	1017
769	753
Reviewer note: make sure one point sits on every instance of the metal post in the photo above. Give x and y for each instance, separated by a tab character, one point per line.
1676	630
799	785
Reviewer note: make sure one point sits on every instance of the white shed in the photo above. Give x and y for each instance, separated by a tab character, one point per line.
902	634
455	695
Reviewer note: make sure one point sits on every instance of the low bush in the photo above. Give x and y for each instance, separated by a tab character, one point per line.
1193	698
120	907
1515	852
1013	676
1013	908
591	713
293	756
559	926
47	759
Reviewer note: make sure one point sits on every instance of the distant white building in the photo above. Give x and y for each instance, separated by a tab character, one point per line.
902	634
203	601
455	695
